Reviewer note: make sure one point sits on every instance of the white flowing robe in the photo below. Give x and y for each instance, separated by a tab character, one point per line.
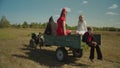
81	28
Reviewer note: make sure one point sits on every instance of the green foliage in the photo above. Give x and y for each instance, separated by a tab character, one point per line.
71	27
16	25
34	25
84	46
44	25
106	29
25	25
4	22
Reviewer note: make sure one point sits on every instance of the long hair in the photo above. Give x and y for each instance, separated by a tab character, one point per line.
81	18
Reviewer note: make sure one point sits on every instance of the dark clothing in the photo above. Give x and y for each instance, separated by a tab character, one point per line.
48	30
89	40
99	54
51	27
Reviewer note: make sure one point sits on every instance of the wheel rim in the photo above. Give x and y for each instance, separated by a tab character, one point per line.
60	55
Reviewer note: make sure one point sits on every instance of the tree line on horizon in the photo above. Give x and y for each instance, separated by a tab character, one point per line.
4	23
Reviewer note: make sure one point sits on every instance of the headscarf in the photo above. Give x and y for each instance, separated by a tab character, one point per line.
63	14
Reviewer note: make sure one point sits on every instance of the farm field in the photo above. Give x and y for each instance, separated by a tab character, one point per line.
15	54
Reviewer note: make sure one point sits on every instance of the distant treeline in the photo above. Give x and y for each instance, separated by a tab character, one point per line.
106	29
97	28
4	23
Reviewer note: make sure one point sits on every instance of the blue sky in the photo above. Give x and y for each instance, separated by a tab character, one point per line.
100	13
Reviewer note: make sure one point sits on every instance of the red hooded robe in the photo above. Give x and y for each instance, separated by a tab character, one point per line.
60	22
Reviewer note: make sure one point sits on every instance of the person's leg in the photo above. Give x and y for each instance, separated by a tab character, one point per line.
99	54
91	57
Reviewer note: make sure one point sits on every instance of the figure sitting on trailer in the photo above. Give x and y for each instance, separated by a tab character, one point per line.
61	23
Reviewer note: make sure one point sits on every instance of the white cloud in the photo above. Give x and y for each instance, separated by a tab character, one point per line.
114	6
85	2
112	13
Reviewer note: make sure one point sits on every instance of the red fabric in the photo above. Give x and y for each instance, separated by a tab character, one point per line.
60	27
90	37
60	22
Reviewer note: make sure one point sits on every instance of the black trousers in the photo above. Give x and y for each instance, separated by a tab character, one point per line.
98	50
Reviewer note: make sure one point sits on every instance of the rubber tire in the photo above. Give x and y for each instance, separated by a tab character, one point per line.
61	54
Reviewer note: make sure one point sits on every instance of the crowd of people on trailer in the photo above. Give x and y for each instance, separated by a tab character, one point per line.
59	29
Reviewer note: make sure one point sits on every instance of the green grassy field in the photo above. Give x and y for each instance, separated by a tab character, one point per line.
14	52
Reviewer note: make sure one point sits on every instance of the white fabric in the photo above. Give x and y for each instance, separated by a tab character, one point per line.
81	28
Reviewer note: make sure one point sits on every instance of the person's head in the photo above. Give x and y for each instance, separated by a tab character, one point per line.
90	29
63	13
81	18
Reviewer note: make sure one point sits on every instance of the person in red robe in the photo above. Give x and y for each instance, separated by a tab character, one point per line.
61	23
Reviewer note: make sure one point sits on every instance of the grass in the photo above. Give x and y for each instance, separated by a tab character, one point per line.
7	34
11	33
13	52
10	41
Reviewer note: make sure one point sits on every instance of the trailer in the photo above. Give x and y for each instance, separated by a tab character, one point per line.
73	42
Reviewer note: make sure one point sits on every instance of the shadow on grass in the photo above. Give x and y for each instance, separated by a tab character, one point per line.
46	57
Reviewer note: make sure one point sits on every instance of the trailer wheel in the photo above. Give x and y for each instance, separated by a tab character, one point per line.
61	54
